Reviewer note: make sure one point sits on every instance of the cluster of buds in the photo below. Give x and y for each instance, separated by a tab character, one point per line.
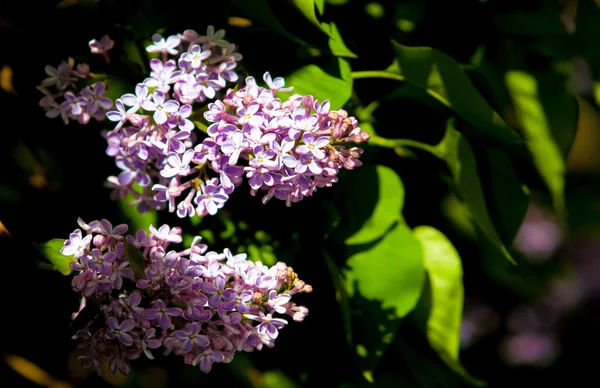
202	305
64	96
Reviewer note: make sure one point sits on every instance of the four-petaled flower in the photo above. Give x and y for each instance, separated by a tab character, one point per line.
120	330
162	314
191	336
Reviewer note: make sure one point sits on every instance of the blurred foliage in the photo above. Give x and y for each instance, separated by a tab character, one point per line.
477	110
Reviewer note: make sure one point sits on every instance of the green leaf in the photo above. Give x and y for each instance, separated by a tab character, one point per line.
333	83
456	150
387	209
336	43
443	78
542	145
384	283
320	4
444	267
51	251
354	206
116	87
509	197
307	8
136	260
135	219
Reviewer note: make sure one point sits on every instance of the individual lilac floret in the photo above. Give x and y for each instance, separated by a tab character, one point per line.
102	46
202	305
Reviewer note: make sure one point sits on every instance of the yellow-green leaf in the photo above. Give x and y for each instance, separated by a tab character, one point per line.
333	83
307	8
336	43
51	251
545	151
384	282
444	267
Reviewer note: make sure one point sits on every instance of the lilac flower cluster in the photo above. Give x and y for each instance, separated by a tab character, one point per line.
63	97
202	305
287	148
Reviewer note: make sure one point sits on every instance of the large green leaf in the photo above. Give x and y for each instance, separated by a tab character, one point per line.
51	251
384	283
333	83
444	79
307	8
444	267
456	150
536	124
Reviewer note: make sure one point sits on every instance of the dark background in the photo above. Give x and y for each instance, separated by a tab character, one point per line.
52	174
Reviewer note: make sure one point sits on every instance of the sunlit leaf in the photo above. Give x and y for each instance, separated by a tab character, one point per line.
387	210
320	4
384	283
51	251
336	43
444	267
307	8
333	84
136	260
540	141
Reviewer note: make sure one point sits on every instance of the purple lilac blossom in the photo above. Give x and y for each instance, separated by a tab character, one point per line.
63	98
202	305
154	137
285	149
102	46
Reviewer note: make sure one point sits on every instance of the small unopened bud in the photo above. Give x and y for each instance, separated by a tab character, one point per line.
188	358
298	317
333	116
83	70
99	240
257	296
247	99
307	288
136	119
299	285
333	156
